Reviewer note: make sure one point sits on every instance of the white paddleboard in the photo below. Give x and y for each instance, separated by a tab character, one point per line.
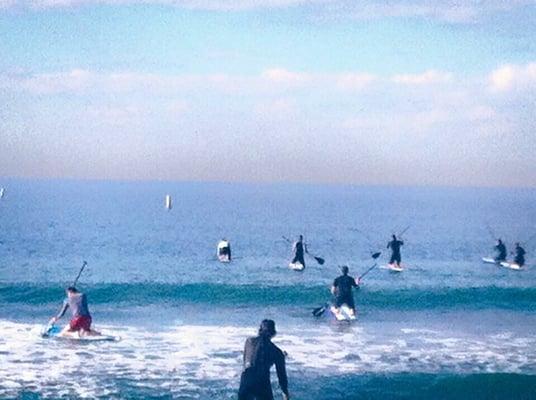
512	265
224	258
393	267
54	332
343	313
297	266
489	260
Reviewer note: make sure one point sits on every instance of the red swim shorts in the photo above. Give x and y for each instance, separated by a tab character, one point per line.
82	322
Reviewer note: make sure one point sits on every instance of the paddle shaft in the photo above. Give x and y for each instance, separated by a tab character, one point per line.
404	231
79	273
367	271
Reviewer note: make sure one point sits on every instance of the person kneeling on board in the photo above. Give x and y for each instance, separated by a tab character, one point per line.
342	290
224	249
80	323
500	248
259	356
394	245
519	255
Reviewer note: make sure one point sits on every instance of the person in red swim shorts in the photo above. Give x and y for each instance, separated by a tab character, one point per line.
80	323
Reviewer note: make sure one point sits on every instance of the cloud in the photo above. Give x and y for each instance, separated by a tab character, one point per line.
511	76
280	75
352	123
426	78
451	11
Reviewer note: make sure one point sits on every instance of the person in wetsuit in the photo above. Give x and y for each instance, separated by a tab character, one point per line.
259	356
500	248
299	250
81	318
342	289
225	249
394	245
519	255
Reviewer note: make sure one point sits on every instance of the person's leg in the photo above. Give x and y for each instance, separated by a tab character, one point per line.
351	304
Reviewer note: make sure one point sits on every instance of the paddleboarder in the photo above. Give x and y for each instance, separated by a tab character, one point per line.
395	245
500	248
519	255
342	290
299	249
80	322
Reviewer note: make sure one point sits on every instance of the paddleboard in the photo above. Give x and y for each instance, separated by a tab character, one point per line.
54	332
297	266
393	267
512	265
343	313
224	258
489	260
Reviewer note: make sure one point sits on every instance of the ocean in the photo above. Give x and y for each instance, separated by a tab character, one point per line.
448	327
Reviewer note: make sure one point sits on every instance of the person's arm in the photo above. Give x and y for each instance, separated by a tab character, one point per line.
388	244
334	288
62	311
401	243
246	350
281	372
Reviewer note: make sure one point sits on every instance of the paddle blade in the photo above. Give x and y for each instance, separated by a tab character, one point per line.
320	260
317	312
376	255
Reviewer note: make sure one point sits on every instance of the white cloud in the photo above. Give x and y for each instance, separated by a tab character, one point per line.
426	78
452	11
471	119
511	76
280	75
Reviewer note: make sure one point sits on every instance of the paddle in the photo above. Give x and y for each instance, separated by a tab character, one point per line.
404	231
318	311
374	257
490	231
319	260
79	273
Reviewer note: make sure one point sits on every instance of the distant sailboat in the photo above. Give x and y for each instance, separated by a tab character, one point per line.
168	202
2	191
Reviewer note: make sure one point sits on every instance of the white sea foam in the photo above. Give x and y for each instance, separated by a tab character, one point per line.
185	357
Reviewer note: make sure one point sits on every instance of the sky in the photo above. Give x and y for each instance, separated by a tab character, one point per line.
366	92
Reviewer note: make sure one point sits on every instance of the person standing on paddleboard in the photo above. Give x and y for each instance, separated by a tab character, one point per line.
395	245
299	249
259	356
500	248
342	289
519	255
81	318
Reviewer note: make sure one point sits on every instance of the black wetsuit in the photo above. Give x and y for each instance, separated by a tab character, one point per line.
519	257
226	251
343	291
299	251
501	252
259	356
394	245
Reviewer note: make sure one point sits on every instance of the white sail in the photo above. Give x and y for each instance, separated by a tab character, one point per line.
168	202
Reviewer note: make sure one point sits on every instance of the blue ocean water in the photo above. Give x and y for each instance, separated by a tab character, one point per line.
447	327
